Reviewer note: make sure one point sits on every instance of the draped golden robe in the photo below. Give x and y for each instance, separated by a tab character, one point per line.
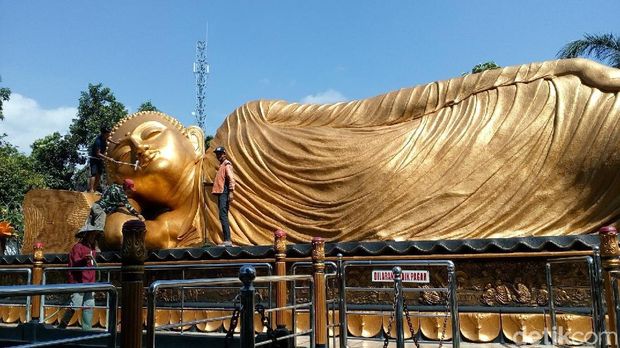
529	150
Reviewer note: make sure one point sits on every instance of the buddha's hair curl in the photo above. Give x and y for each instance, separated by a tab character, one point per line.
173	121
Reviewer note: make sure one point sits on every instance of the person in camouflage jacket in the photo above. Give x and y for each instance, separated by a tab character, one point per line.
113	199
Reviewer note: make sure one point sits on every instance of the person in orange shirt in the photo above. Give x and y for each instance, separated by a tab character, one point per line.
223	188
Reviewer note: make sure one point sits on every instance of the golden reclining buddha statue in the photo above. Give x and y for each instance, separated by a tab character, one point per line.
529	150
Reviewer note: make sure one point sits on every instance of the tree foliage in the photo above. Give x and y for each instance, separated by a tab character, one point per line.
208	139
5	94
98	107
604	47
55	157
56	160
484	66
147	106
18	175
59	159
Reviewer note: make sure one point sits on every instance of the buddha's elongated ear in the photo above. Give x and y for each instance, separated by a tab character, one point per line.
197	138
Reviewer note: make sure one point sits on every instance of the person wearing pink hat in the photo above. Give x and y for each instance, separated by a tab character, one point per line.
114	198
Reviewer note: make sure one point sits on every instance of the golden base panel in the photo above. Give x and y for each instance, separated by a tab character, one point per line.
475	327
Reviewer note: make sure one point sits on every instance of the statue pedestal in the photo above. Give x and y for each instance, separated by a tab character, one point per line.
53	217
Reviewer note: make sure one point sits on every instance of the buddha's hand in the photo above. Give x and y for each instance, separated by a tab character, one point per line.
141	217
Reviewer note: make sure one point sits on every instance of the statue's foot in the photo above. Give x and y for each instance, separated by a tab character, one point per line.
594	74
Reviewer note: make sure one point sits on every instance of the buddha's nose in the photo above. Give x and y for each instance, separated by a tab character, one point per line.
138	147
141	149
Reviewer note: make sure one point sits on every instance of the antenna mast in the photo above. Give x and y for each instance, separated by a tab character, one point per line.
201	71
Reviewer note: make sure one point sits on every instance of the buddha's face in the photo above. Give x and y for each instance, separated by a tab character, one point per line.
152	151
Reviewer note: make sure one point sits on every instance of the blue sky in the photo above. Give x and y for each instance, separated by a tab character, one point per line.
314	51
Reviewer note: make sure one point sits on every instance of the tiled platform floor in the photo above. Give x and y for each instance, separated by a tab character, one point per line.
354	343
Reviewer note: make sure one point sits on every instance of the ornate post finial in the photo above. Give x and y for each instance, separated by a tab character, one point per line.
279	243
133	251
609	241
318	250
38	254
247	274
397	271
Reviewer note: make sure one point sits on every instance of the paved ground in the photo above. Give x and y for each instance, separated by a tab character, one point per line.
356	343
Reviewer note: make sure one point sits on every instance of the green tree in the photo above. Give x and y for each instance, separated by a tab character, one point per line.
58	157
17	176
55	158
482	67
98	107
604	47
79	182
208	139
147	106
5	94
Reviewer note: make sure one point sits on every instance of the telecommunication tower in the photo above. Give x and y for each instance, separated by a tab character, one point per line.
201	71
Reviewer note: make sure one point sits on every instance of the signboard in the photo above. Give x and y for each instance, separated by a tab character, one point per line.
407	276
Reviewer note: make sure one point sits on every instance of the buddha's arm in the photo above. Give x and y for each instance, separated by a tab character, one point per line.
157	235
162	232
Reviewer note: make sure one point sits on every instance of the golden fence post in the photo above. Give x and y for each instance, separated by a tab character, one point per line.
610	259
320	297
133	254
37	277
279	245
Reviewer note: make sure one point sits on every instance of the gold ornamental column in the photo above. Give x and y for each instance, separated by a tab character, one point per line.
279	245
320	297
610	259
133	254
37	277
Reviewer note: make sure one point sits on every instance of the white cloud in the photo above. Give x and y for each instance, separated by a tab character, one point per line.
325	97
25	121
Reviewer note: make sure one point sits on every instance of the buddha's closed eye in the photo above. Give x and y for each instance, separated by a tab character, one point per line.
123	153
151	130
151	134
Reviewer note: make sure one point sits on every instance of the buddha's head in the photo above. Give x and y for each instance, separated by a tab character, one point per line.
156	151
